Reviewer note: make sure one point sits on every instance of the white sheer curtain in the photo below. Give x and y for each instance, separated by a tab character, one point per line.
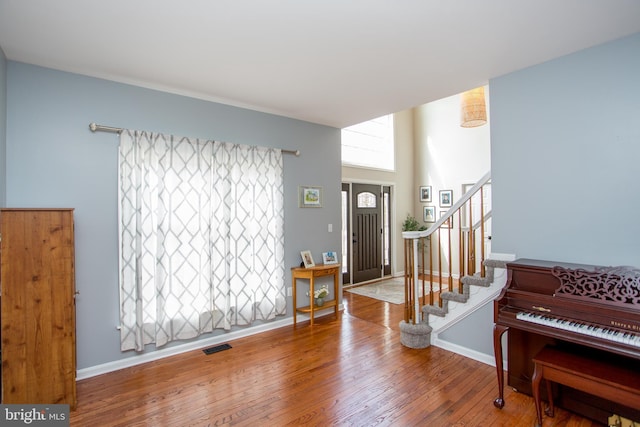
201	237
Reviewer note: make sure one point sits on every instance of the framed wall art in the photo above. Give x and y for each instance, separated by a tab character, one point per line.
309	197
425	193
446	198
429	214
448	223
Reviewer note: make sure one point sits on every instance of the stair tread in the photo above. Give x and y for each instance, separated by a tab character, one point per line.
467	281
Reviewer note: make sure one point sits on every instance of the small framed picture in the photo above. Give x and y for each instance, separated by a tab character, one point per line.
425	193
429	214
446	198
448	223
309	197
329	257
307	259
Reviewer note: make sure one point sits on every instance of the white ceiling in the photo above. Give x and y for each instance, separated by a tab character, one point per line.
334	62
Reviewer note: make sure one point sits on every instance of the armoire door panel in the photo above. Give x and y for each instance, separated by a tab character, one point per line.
38	307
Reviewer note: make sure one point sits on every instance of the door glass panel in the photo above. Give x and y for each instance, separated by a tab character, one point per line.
366	200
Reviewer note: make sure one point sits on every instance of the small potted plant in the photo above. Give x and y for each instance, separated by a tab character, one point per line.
319	295
412	224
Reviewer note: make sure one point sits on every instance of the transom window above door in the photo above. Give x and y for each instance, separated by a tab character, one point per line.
369	144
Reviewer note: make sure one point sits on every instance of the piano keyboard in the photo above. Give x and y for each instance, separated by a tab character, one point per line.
628	338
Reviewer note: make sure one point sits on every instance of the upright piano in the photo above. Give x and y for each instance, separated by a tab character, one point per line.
577	308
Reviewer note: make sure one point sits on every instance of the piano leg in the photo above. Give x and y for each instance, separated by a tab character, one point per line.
535	385
498	331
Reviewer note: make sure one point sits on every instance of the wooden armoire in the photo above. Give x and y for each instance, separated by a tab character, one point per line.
37	273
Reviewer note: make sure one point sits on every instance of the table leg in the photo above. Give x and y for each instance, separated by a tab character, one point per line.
295	304
335	291
311	301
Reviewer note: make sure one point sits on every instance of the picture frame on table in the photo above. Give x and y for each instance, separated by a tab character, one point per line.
446	198
309	197
425	193
330	257
307	259
429	214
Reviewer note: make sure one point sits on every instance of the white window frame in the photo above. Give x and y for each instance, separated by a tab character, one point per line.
370	144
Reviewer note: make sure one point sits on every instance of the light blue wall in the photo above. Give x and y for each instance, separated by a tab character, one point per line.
565	155
475	332
3	128
55	161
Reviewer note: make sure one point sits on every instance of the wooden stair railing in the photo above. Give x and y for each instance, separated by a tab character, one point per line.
423	280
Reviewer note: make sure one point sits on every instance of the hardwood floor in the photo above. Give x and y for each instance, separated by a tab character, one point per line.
350	371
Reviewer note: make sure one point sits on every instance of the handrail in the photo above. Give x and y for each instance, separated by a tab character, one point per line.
457	205
421	241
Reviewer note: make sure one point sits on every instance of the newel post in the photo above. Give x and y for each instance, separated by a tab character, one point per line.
415	333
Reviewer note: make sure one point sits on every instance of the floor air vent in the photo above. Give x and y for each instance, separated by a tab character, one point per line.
216	348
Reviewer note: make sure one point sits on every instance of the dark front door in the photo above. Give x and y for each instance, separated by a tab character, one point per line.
367	232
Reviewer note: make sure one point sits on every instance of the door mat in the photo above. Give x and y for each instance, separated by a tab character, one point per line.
389	290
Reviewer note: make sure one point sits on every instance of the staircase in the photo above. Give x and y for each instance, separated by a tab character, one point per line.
432	302
476	290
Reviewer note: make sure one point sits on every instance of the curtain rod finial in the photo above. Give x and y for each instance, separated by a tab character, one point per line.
93	127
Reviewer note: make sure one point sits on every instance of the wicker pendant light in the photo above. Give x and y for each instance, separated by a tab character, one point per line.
473	111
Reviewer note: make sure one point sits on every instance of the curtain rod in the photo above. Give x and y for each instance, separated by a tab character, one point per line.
99	128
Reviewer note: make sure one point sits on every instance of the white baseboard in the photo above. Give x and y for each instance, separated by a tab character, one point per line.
104	368
485	296
487	359
458	311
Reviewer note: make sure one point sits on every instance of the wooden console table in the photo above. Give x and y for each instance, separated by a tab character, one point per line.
310	274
